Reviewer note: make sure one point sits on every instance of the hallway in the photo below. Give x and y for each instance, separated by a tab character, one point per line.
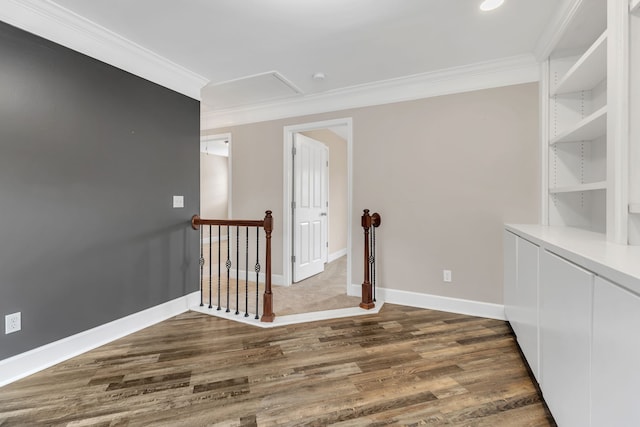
325	291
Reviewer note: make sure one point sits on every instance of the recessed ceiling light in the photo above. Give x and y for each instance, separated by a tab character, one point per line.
318	76
488	5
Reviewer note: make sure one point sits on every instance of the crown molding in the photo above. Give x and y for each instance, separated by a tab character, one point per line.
485	75
46	19
556	29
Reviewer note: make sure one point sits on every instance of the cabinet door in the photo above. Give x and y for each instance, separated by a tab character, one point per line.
565	339
527	303
509	254
616	352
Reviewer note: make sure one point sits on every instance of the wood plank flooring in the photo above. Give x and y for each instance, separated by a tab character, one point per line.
404	366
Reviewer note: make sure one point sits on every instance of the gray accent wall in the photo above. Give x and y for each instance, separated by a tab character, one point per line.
90	157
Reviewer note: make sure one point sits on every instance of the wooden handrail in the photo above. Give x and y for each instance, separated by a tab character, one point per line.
368	221
196	222
267	223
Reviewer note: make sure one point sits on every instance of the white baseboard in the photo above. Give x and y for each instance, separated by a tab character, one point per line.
435	302
291	319
32	361
337	254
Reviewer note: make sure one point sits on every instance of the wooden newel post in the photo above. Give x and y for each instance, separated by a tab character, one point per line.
367	300
267	310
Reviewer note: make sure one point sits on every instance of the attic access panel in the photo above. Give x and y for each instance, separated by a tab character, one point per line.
249	90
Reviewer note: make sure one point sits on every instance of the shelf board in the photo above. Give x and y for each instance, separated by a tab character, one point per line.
634	208
588	71
589	128
600	185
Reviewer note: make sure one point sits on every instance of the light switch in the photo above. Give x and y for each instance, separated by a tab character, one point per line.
178	201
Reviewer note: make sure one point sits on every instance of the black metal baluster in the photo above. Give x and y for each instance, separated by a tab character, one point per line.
210	266
201	261
228	264
257	269
237	266
246	274
219	262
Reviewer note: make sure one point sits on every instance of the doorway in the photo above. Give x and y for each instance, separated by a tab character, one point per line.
343	127
215	176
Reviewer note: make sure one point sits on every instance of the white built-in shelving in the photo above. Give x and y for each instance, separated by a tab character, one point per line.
600	185
577	139
588	71
587	129
591	139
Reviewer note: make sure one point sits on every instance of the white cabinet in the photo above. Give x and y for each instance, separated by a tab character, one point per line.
565	339
588	293
616	351
527	297
521	295
510	248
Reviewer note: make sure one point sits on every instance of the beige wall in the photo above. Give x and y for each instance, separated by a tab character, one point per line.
214	186
337	187
445	173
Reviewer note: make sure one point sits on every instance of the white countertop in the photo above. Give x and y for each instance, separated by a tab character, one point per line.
617	263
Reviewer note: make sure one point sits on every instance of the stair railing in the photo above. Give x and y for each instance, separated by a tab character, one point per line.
369	224
267	225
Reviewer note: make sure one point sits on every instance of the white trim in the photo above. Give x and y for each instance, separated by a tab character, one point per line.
230	177
544	142
337	254
617	121
32	361
53	22
288	132
485	75
556	29
327	184
436	302
291	319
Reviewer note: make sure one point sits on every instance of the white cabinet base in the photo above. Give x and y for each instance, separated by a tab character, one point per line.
565	339
616	348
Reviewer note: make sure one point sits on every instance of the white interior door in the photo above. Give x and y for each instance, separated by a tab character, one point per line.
310	207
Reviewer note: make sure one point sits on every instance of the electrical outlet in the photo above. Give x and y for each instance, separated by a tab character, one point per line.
12	323
446	275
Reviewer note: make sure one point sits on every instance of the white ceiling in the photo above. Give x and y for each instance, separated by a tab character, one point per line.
354	42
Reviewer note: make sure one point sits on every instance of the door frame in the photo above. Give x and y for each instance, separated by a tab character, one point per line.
287	220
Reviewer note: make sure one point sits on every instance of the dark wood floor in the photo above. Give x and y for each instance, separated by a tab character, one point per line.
405	366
